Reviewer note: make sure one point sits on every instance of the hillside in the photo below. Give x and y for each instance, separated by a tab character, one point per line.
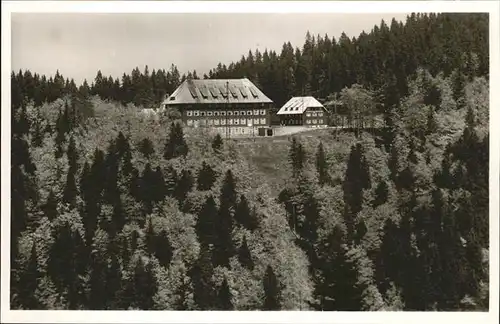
111	210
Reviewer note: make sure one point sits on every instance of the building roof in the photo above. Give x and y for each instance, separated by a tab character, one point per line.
297	105
216	91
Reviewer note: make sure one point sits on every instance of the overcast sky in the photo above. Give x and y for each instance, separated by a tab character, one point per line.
80	44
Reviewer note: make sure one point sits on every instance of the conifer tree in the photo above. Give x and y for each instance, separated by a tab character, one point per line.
272	291
176	145
60	135
163	249
381	194
70	189
142	286
243	214
203	284
146	187
207	222
206	177
146	148
223	245
297	157
244	256
50	206
29	281
217	143
224	296
97	283
159	187
113	283
322	166
357	179
184	186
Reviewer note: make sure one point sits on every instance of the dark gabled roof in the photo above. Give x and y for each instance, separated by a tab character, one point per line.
216	91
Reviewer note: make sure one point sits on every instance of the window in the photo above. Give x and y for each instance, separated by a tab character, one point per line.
320	121
210	113
193	92
230	121
262	112
256	112
243	121
249	113
243	92
217	122
254	92
263	121
190	122
308	121
202	114
203	91
223	113
223	92
320	114
210	122
216	113
314	114
229	113
196	113
223	122
213	91
233	92
189	113
236	113
315	121
236	121
308	114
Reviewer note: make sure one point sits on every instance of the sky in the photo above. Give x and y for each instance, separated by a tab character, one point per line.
78	44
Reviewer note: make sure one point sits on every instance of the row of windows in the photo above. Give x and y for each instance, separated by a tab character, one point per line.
314	121
197	113
228	105
314	114
230	121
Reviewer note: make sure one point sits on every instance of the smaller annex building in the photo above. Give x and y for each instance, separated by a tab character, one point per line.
303	111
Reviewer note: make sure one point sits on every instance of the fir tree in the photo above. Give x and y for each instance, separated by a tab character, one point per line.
184	186
297	157
217	143
163	249
50	206
176	145
322	166
207	222
272	291
29	281
146	148
223	245
381	194
244	256
223	301
206	177
203	285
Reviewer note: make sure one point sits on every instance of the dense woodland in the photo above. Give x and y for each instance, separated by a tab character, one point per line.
111	210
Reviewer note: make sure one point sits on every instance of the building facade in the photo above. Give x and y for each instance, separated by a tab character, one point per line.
232	106
303	111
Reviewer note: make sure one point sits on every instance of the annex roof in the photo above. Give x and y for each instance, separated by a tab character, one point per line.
298	105
216	91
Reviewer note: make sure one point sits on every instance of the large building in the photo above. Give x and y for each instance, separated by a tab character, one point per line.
233	106
303	111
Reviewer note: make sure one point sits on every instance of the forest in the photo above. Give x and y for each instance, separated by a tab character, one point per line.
110	210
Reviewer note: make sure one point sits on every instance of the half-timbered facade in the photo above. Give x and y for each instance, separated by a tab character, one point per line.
303	111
